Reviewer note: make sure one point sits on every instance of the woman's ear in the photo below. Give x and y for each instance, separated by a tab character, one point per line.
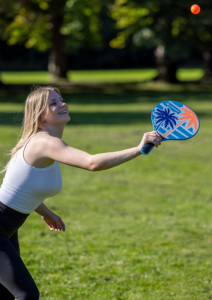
42	118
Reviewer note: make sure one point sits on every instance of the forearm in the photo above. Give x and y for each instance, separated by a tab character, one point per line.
43	210
57	150
104	161
53	221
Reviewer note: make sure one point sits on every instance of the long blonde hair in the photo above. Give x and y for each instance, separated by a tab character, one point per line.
35	105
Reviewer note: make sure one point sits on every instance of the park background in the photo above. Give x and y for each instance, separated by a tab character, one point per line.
141	230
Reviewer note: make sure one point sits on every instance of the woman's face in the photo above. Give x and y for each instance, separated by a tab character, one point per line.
57	112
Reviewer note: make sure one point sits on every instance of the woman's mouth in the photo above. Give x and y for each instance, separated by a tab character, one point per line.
63	112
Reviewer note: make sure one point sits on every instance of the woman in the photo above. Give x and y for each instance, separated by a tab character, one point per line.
33	174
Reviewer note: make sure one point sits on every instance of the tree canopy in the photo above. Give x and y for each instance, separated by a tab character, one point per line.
167	26
59	26
64	27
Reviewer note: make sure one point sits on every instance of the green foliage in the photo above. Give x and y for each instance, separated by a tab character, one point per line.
138	231
161	22
81	24
31	23
27	23
30	28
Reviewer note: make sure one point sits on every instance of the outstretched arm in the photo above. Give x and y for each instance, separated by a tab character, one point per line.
53	221
103	161
56	149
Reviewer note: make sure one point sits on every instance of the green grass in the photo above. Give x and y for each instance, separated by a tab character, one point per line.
96	76
141	231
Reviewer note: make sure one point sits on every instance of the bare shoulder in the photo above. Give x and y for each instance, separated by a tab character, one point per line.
46	148
38	151
45	143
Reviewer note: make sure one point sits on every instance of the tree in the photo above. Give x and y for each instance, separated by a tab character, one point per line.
166	26
59	27
202	37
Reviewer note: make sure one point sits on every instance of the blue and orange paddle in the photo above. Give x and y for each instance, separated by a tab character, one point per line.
173	121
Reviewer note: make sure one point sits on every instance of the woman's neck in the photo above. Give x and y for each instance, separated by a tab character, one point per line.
54	131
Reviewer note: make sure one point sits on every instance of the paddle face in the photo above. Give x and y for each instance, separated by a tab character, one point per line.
173	121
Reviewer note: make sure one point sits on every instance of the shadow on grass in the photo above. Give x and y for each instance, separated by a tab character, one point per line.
115	93
119	94
92	118
85	118
11	118
129	98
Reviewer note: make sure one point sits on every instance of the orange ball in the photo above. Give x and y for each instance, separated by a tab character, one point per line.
195	9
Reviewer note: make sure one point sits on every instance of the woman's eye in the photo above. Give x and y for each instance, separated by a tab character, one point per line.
53	103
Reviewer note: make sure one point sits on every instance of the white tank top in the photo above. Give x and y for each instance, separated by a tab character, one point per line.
25	187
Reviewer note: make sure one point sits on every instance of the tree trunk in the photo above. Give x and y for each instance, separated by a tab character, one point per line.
57	60
207	67
166	67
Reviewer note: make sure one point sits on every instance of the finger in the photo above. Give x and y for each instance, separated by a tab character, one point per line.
62	224
155	133
53	227
57	227
158	136
156	142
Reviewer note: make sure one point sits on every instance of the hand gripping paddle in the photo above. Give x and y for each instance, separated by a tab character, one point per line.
173	121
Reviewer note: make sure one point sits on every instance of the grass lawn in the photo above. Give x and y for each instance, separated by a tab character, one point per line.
97	76
140	231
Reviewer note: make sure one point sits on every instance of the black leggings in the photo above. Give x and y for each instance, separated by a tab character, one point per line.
15	280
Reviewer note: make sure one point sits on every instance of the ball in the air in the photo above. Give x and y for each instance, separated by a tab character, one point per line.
195	9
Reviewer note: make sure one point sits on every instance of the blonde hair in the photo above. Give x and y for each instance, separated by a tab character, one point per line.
35	105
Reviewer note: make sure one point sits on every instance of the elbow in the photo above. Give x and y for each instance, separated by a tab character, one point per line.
95	168
92	165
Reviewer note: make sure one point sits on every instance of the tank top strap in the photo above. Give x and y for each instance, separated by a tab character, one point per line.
24	146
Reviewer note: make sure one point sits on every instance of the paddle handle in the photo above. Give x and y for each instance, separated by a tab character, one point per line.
146	148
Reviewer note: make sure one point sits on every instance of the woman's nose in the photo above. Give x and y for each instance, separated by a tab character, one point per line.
62	104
